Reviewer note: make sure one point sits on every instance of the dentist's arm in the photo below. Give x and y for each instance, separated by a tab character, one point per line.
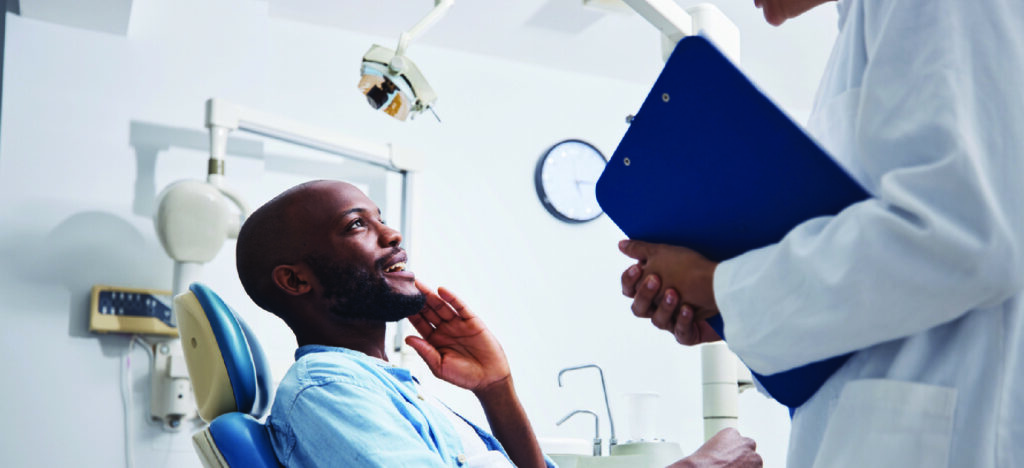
459	349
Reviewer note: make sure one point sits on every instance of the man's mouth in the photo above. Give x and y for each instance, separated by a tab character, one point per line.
395	266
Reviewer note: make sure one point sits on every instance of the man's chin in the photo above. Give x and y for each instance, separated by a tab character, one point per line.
401	283
401	305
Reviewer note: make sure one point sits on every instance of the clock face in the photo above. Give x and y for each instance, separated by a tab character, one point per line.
566	178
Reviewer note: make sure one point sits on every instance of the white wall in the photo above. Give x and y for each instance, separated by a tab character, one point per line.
82	112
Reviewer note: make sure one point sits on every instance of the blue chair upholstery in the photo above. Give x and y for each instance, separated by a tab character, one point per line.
230	378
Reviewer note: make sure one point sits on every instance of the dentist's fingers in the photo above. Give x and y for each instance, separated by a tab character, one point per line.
643	303
668	308
629	280
637	250
684	329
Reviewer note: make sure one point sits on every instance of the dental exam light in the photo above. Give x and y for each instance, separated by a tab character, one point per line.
391	81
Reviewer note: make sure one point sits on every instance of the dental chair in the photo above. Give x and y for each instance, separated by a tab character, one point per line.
230	379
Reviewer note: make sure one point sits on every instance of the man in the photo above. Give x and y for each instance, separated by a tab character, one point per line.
320	257
922	103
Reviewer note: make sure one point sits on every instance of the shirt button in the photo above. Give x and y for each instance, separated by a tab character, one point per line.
461	458
420	396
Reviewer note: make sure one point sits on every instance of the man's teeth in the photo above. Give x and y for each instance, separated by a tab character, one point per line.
400	266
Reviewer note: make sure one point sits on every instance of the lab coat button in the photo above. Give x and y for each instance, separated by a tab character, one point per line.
461	458
420	396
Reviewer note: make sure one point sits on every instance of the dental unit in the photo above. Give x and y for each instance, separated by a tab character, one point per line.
634	453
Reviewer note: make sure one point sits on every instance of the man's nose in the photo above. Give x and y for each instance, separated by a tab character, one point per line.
390	237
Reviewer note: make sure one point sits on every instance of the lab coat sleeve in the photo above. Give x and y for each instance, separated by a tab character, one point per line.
935	133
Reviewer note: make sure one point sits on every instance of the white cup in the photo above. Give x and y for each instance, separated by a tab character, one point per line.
642	412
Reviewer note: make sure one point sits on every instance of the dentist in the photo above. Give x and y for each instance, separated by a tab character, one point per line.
923	103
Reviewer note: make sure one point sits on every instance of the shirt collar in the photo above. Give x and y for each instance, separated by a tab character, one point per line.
388	367
315	348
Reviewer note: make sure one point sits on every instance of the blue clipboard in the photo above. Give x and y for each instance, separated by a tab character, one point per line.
710	163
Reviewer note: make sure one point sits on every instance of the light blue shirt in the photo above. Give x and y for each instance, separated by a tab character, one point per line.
339	407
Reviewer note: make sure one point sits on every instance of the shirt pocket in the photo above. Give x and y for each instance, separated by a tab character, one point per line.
889	423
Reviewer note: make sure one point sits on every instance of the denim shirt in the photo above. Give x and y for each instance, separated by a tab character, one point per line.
339	407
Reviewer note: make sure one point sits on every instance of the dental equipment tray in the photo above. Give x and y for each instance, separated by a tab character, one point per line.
709	163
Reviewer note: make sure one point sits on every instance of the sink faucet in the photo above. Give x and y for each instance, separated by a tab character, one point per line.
597	430
612	441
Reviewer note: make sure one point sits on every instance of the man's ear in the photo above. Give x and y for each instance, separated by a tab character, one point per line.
294	280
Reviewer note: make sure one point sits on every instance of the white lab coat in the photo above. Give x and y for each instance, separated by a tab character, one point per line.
923	102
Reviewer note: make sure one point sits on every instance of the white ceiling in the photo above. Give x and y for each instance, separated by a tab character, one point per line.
110	16
564	34
786	62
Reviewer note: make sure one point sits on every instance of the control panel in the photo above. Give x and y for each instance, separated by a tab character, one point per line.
115	309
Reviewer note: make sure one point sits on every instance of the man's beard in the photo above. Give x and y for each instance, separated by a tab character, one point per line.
355	294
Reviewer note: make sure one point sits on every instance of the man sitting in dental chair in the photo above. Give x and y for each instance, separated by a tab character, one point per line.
319	257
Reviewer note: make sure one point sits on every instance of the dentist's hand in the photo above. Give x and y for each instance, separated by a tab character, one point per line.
727	449
672	286
455	344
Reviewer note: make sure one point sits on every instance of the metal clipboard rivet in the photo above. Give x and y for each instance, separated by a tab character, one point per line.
625	161
664	97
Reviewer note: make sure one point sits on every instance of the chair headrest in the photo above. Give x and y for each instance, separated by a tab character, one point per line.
227	366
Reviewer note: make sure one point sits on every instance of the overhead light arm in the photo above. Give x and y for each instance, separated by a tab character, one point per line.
440	8
675	23
670	19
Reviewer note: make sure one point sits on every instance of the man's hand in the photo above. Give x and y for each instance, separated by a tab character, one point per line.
455	344
727	449
672	286
459	349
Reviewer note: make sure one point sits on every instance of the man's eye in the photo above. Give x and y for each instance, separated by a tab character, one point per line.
356	224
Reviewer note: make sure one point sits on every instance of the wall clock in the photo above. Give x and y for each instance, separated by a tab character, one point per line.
565	179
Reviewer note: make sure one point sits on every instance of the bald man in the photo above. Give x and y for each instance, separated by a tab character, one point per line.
320	257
